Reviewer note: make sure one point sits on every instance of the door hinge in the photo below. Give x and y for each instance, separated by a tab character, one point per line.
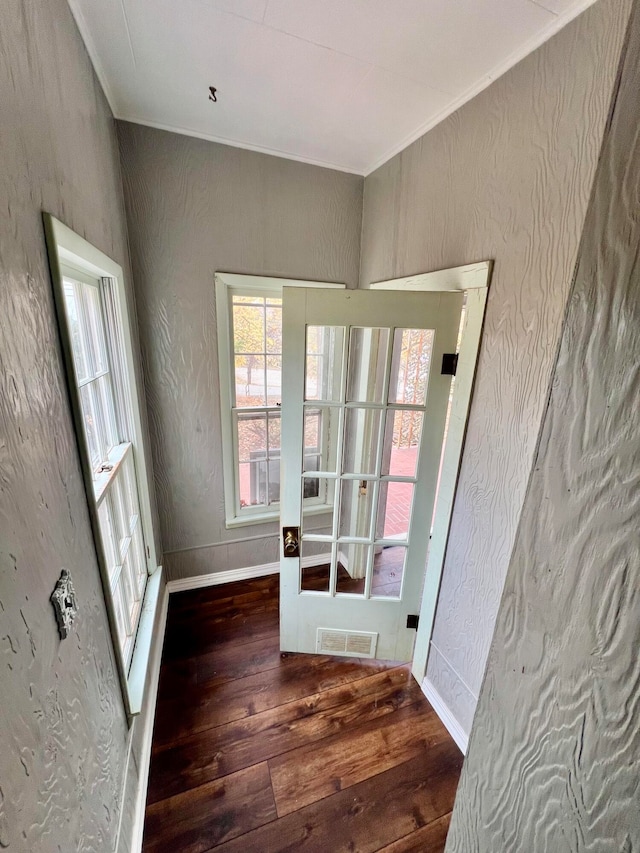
412	621
449	363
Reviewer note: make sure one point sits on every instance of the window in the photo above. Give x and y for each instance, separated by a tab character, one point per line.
249	315
92	312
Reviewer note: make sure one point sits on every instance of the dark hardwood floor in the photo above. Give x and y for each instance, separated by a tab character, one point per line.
258	751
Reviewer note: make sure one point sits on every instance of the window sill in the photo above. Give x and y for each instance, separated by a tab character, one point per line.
266	517
144	640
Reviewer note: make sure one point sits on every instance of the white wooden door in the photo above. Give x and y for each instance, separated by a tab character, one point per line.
364	405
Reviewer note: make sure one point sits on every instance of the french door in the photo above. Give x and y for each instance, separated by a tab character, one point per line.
363	383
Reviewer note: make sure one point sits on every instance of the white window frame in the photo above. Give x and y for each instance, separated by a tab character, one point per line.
72	257
227	285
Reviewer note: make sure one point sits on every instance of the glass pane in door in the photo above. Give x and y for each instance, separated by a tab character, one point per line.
323	369
356	505
361	440
367	363
410	366
316	565
402	434
388	571
394	510
353	560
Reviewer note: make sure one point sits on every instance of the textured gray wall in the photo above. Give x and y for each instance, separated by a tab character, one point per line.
194	208
554	758
62	722
507	177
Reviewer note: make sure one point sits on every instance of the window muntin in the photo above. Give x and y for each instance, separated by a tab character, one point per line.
96	348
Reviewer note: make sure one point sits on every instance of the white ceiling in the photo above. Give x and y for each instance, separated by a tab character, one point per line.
340	83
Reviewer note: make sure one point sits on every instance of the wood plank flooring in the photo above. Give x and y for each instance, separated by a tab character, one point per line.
258	751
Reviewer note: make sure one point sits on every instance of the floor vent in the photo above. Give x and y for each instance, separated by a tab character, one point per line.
357	644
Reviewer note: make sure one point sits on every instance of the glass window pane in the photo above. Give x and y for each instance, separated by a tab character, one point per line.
274	422
352	568
252	453
388	571
90	426
130	490
274	329
274	380
119	511
394	510
273	427
361	440
410	366
356	504
120	608
138	561
249	327
250	381
95	330
402	443
244	484
323	371
74	319
109	538
367	364
128	593
252	436
104	392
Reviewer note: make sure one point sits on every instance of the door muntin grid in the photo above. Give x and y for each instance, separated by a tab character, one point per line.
368	416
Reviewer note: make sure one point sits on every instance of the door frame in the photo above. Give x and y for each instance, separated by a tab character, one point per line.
474	279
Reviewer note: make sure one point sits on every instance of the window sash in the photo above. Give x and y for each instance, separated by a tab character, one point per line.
267	293
101	383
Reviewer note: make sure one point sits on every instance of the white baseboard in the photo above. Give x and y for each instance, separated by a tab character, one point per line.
449	721
145	757
246	573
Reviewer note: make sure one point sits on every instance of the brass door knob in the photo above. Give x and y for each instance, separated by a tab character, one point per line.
290	542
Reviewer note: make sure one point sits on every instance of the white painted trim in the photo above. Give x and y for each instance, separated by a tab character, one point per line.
467	277
444	713
66	247
246	573
554	26
264	283
147	736
141	658
474	280
228	576
476	302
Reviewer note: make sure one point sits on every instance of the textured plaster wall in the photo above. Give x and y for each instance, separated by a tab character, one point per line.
194	208
506	178
62	723
554	757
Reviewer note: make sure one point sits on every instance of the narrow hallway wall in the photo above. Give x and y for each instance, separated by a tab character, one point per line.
505	178
554	758
195	208
64	729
